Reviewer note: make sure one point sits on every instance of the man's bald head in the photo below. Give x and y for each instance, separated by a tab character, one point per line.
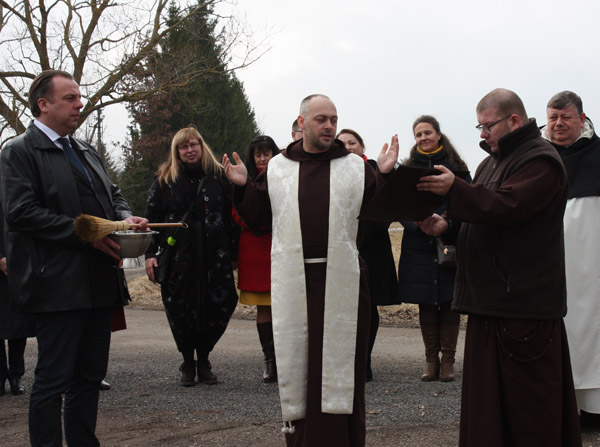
318	121
504	101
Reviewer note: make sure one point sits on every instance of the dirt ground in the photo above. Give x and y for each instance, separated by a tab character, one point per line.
146	407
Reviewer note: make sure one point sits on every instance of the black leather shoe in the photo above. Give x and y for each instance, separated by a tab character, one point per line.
16	386
104	385
205	375
188	373
3	388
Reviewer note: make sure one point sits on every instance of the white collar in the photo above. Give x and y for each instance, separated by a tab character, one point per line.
50	133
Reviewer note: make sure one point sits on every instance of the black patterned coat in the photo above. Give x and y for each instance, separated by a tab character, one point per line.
199	291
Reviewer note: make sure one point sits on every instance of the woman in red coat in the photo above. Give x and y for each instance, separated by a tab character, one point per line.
254	260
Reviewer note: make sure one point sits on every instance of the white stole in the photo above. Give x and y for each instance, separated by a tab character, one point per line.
288	286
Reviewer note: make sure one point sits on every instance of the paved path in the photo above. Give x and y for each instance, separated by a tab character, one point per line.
146	406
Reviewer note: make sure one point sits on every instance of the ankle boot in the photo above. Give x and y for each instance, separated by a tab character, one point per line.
205	374
448	338
265	334
431	339
447	371
432	372
188	373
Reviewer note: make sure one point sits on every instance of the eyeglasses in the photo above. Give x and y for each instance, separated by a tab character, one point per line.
488	127
185	147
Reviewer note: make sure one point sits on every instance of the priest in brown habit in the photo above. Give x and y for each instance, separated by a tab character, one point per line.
311	194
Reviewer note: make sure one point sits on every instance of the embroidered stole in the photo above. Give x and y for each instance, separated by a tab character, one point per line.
288	286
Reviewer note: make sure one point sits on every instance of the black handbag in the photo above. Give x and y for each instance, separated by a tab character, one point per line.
446	254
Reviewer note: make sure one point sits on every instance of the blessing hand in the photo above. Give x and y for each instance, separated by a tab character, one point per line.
237	174
388	156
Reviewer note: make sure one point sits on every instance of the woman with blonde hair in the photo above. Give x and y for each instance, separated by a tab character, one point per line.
193	265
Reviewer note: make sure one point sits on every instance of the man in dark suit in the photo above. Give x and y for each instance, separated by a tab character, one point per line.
47	178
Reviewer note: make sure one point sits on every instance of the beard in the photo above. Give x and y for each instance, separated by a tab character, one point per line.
317	143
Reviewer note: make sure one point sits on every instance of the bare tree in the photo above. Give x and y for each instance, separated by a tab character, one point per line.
101	42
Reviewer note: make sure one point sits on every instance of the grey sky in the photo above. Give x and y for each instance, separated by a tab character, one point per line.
384	63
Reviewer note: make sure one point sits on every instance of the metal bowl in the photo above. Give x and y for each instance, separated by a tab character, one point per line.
133	243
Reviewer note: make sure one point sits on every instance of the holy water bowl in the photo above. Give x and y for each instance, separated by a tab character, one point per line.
133	243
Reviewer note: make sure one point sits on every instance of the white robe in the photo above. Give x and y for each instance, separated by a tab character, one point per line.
288	287
582	257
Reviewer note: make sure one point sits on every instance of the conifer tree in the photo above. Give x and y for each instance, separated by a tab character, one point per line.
215	102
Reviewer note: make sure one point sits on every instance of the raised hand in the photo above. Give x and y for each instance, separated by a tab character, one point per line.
388	156
237	174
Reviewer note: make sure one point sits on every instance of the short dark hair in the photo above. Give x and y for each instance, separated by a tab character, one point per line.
506	102
43	87
262	143
295	126
562	100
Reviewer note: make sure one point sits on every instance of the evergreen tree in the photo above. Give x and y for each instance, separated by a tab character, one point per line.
216	102
213	100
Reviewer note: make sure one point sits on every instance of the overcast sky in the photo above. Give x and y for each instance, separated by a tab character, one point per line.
384	63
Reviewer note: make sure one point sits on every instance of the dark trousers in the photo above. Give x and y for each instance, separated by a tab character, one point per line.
73	351
13	366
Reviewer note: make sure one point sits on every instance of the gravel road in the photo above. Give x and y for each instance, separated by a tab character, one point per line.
146	406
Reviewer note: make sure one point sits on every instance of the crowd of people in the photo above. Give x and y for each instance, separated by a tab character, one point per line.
522	226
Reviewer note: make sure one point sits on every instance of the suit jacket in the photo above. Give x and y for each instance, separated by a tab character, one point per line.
41	197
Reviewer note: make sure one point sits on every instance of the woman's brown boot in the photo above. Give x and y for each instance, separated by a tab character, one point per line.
448	339
431	339
432	370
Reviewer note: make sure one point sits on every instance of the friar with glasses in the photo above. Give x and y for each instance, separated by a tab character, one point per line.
517	381
312	193
572	134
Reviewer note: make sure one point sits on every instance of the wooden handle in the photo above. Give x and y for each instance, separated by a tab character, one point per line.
166	224
162	225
